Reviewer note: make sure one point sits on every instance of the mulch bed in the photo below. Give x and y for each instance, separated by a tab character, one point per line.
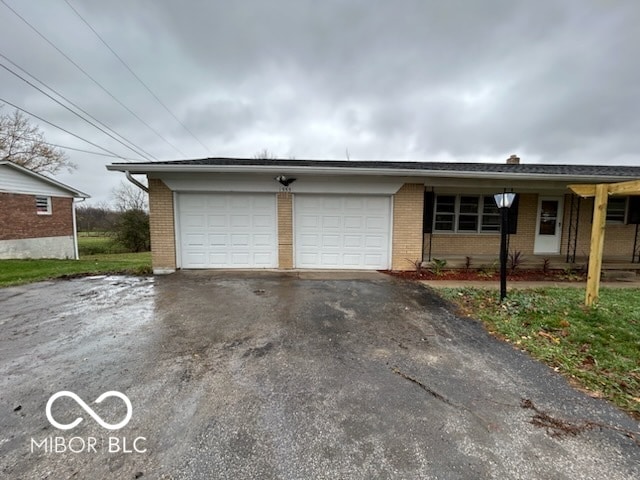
474	275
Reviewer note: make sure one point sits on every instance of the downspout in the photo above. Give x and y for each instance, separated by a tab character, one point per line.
75	227
135	182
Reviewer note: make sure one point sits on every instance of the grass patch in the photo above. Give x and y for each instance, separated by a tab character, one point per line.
97	244
99	255
597	348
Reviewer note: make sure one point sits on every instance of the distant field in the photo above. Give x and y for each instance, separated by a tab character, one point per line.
94	244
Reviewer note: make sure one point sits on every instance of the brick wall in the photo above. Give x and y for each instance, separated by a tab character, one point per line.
285	230
161	224
618	238
408	204
19	219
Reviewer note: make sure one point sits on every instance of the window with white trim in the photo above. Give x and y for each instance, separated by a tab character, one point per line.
617	210
43	205
466	214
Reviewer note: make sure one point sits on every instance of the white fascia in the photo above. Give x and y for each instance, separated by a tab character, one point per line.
360	172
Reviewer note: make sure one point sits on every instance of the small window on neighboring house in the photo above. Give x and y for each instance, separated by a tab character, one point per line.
616	209
43	205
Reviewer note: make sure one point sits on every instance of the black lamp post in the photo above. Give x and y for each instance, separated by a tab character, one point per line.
504	202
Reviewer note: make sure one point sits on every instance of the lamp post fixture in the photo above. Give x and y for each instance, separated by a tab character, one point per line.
504	202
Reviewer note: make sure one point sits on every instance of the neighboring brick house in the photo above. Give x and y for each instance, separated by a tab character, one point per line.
37	215
311	214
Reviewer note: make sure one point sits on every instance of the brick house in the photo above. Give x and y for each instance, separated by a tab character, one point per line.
283	214
37	215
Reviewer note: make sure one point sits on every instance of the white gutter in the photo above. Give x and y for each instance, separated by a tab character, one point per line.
357	172
135	182
75	226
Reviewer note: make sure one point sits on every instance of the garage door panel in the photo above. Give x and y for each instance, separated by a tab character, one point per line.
353	241
377	223
194	221
333	231
307	260
216	260
329	259
240	240
195	202
353	203
353	223
331	203
309	221
240	221
309	240
196	239
218	240
227	230
262	240
352	260
197	258
374	242
372	259
331	222
216	221
331	241
260	221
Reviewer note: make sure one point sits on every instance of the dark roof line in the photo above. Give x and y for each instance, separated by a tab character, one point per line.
522	168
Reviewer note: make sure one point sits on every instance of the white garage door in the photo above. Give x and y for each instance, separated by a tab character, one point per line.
227	230
345	232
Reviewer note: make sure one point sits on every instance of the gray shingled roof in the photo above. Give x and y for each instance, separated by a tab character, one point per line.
523	168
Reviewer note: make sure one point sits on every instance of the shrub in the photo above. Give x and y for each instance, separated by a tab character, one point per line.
132	231
437	265
515	260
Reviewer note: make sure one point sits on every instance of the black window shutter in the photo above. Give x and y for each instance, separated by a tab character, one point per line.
513	216
634	210
427	214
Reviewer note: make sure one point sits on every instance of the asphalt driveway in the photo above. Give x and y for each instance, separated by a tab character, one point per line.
276	376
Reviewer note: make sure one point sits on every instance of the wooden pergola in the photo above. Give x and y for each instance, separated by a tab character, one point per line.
601	194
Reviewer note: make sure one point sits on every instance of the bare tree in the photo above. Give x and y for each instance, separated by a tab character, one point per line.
127	196
264	154
23	143
96	218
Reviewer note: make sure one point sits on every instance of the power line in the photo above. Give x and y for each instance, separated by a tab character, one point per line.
66	147
65	106
146	154
41	35
59	128
104	42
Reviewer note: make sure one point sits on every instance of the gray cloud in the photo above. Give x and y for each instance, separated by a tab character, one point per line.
415	80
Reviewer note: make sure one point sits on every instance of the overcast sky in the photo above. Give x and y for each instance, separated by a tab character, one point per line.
555	81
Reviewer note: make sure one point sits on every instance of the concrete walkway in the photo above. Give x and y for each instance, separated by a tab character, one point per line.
522	285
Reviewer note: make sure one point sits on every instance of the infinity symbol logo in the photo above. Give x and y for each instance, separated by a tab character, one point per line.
88	409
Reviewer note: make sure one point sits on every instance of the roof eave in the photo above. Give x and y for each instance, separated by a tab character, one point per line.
164	168
44	178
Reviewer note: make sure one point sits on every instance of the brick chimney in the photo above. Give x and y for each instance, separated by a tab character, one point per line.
513	160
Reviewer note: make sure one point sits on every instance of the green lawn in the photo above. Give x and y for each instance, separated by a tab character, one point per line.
597	348
98	255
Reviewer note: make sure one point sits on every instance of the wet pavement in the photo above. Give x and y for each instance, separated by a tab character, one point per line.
271	375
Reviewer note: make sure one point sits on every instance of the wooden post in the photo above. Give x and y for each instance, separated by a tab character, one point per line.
597	243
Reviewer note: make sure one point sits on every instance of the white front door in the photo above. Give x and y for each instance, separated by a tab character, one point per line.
227	230
549	225
342	231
